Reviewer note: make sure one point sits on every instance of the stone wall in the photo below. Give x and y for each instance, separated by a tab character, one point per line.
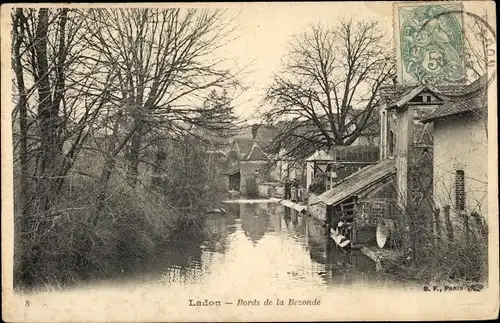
315	209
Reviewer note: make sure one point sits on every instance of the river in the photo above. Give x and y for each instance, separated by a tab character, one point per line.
257	243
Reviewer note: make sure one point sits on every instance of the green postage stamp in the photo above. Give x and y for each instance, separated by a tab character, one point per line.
429	43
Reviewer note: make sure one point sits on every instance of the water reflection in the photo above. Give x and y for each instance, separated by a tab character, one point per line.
261	243
255	220
216	231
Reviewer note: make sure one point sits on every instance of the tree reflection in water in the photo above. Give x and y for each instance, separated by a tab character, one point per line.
182	263
216	230
186	261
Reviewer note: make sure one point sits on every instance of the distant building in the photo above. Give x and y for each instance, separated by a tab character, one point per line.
246	163
252	170
340	162
285	167
240	146
247	158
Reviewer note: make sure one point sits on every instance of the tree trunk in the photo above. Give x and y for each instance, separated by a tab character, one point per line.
109	165
134	153
110	162
23	110
48	115
24	251
160	158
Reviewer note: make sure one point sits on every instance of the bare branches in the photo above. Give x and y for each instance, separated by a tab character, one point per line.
329	83
477	40
165	66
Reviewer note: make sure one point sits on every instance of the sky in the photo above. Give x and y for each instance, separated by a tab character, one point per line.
264	29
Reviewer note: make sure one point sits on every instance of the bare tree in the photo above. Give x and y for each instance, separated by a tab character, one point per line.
57	94
478	38
165	66
480	52
55	103
327	92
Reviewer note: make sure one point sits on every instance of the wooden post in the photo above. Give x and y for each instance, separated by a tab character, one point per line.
449	225
437	227
465	218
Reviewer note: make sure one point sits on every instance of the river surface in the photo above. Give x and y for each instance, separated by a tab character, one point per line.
258	243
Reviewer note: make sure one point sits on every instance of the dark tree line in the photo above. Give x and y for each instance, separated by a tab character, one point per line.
114	84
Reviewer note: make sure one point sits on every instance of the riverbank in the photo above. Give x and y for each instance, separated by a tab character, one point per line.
381	256
132	226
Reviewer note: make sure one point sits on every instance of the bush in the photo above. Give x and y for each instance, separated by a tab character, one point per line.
462	260
132	224
71	249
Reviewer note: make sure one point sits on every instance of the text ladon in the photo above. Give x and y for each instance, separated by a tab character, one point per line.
205	302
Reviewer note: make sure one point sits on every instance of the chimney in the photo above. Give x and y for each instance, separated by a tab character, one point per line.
255	127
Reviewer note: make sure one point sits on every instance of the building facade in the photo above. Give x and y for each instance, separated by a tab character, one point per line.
438	138
252	171
461	156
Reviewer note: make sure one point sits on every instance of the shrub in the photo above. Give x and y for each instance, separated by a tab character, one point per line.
132	225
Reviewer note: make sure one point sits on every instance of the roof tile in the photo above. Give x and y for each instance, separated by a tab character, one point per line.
355	183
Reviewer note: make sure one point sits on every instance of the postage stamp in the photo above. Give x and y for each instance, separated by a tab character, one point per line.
429	43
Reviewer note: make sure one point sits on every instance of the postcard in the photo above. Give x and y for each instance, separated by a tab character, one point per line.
331	161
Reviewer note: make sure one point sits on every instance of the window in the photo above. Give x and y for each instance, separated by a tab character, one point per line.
418	98
460	190
392	143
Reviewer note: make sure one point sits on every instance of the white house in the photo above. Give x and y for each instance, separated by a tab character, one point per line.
317	161
461	154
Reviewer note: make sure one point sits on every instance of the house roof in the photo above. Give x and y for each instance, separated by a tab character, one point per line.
357	182
244	144
319	155
255	153
473	99
392	94
411	93
454	107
